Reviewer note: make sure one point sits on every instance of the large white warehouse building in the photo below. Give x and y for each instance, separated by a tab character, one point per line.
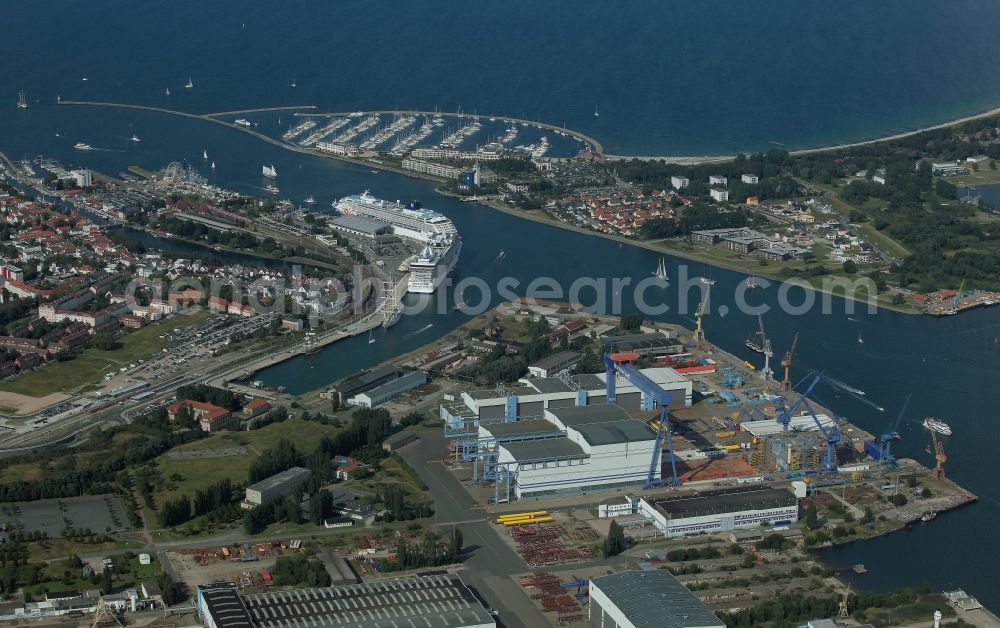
573	449
530	398
721	511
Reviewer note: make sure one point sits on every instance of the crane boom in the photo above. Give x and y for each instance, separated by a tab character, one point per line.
661	398
786	384
887	459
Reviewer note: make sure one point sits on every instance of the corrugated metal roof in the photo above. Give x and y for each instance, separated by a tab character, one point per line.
603	424
655	599
543	450
726	502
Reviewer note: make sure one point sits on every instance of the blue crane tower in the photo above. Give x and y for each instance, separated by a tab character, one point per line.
652	394
886	459
783	415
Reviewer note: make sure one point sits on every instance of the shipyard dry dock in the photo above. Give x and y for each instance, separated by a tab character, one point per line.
555	443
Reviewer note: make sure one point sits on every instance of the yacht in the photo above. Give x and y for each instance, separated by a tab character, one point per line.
269	171
82	146
751	281
168	91
213	165
293	83
22	101
310	200
272	189
861	340
84	78
371	337
938	426
928	517
190	83
204	154
597	114
661	271
135	138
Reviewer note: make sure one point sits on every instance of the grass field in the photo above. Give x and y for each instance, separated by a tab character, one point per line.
91	365
184	477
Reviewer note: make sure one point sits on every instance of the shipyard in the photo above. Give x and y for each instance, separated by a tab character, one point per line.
565	441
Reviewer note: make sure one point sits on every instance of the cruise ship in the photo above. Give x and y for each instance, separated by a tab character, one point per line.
408	221
433	263
440	239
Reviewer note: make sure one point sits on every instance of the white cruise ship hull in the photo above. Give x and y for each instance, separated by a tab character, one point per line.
426	279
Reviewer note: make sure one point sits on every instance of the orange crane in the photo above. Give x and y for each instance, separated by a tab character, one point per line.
786	384
940	457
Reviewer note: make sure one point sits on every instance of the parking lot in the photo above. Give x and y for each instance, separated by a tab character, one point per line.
98	513
190	345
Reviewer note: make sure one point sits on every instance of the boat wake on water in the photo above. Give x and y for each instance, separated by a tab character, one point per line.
421	330
836	383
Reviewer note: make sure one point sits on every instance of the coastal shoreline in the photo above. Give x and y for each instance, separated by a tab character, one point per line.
649	246
675	159
688	160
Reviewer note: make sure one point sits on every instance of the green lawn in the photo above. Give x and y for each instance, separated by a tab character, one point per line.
985	176
196	474
92	364
128	573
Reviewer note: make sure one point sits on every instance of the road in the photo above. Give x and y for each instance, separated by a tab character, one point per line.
491	561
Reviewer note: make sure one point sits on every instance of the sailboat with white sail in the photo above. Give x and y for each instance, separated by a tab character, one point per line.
22	101
190	84
661	271
204	154
269	171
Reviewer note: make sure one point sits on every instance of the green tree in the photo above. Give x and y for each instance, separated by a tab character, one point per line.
850	267
614	544
811	516
107	581
455	545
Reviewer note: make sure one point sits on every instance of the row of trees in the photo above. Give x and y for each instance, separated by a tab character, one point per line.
99	474
430	552
209	394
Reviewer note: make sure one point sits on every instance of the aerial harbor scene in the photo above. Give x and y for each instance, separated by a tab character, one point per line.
514	314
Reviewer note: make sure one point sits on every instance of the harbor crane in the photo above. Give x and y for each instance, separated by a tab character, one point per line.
786	384
765	349
659	397
886	459
783	415
699	331
939	457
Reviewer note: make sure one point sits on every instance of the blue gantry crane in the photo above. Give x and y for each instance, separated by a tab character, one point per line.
652	395
783	415
886	459
579	584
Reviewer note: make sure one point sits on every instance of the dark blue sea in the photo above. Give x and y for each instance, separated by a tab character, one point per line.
698	78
